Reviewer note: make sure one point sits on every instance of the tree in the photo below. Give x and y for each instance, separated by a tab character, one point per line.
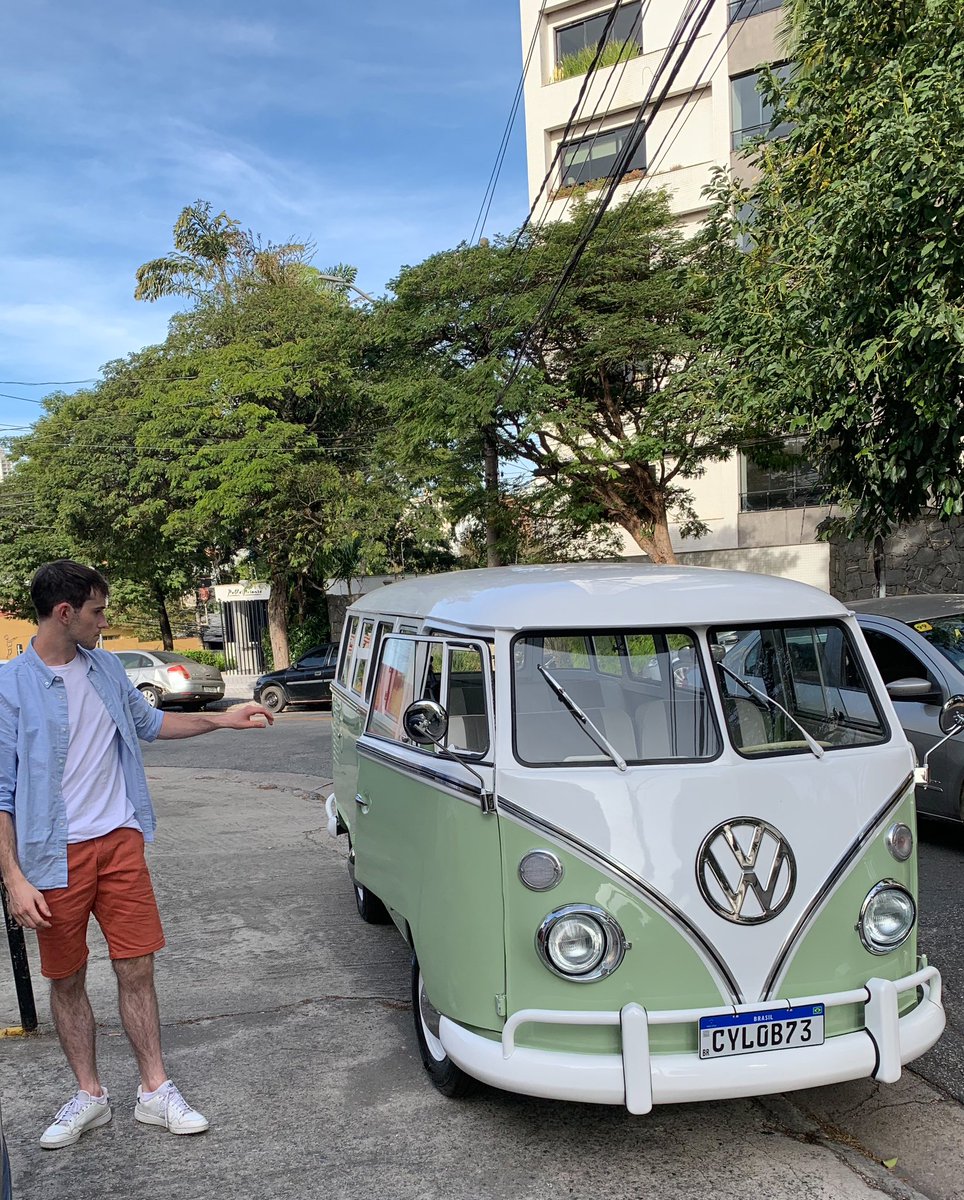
843	319
258	397
268	435
594	398
83	494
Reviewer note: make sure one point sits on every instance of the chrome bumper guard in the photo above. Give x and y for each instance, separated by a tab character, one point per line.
639	1080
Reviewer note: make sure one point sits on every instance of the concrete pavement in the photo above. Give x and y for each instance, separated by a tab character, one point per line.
287	1021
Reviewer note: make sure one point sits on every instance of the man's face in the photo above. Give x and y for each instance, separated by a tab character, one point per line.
88	622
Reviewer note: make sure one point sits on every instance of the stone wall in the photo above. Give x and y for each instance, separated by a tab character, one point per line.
926	557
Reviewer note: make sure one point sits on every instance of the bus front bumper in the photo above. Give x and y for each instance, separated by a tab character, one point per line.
639	1080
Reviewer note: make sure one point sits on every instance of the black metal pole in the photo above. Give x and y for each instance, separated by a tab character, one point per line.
21	967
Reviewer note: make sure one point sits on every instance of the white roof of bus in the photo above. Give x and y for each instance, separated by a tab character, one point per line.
603	595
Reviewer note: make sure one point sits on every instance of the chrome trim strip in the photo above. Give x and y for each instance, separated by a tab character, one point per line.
869	830
462	790
657	899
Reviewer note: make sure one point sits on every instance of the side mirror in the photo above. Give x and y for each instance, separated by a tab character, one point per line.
952	715
425	722
914	688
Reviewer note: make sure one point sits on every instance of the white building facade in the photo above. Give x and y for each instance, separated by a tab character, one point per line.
758	519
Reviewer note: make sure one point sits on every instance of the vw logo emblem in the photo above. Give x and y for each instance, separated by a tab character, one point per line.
746	871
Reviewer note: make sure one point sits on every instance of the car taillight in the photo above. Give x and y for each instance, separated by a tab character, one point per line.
179	669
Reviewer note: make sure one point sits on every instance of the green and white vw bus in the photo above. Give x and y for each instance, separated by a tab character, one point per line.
649	832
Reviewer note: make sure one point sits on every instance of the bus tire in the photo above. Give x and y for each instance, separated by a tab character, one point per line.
450	1080
371	910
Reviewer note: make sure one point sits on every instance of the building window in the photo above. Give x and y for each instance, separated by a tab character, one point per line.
752	114
741	9
794	483
576	44
594	157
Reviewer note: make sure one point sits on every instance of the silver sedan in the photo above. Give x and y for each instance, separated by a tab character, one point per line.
164	678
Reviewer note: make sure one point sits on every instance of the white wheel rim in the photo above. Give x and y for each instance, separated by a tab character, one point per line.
426	1013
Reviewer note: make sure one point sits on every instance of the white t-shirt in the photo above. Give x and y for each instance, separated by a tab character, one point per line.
95	794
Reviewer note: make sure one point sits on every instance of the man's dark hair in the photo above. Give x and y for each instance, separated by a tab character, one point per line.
63	580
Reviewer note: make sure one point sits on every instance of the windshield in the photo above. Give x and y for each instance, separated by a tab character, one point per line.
783	684
945	634
643	692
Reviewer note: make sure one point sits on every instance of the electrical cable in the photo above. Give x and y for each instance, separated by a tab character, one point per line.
489	195
648	110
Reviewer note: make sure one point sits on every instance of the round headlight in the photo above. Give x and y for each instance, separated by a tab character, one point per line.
900	841
886	917
580	942
540	870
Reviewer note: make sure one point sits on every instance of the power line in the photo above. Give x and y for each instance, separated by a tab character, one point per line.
489	195
648	110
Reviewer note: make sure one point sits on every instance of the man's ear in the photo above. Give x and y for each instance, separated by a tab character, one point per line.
62	612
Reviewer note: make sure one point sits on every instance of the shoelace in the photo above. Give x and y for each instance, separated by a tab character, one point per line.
74	1106
175	1103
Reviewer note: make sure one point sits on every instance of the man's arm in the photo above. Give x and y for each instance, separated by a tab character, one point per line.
27	905
185	725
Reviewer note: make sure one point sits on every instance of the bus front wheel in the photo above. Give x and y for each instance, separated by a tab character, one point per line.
450	1080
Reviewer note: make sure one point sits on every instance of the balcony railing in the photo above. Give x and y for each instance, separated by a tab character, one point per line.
804	496
741	9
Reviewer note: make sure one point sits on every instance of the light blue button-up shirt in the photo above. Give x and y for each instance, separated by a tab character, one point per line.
33	750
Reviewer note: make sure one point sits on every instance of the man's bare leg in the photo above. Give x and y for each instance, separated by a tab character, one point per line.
137	1001
74	1021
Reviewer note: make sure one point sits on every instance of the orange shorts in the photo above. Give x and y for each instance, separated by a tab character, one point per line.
106	876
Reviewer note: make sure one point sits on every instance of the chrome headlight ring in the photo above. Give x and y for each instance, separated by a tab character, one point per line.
605	942
880	931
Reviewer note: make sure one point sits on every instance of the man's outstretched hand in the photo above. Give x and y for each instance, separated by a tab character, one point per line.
246	716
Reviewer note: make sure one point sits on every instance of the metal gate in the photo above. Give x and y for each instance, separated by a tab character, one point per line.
244	623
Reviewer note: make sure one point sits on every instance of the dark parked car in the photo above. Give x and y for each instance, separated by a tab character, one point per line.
922	638
304	682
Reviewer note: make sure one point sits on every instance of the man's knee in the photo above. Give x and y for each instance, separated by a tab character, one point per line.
70	986
134	972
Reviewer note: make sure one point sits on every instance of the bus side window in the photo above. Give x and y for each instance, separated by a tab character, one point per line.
468	723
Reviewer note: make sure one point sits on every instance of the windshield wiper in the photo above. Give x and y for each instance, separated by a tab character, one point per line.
814	745
583	720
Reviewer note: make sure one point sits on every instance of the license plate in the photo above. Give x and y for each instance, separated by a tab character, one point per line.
211	689
771	1029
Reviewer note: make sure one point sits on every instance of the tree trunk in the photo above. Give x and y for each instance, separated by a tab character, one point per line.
490	462
163	619
653	539
278	620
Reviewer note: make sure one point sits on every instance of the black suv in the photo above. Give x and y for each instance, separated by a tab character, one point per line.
305	682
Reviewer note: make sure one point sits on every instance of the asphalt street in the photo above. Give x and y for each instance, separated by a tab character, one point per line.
287	1020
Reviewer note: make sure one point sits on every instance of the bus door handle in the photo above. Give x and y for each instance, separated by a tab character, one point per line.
361	801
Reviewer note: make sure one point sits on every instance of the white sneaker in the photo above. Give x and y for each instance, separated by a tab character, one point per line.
81	1112
168	1108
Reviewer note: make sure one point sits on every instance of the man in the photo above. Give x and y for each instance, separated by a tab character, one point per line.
74	815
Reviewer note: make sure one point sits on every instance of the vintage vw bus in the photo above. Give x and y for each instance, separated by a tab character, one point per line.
649	831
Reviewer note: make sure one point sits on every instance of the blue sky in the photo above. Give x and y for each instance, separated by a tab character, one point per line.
369	128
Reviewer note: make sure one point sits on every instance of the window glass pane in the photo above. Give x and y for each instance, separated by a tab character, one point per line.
362	655
606	654
394	689
566	652
594	156
741	9
792	484
752	114
573	39
348	649
658	712
893	659
432	679
468	724
777	681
